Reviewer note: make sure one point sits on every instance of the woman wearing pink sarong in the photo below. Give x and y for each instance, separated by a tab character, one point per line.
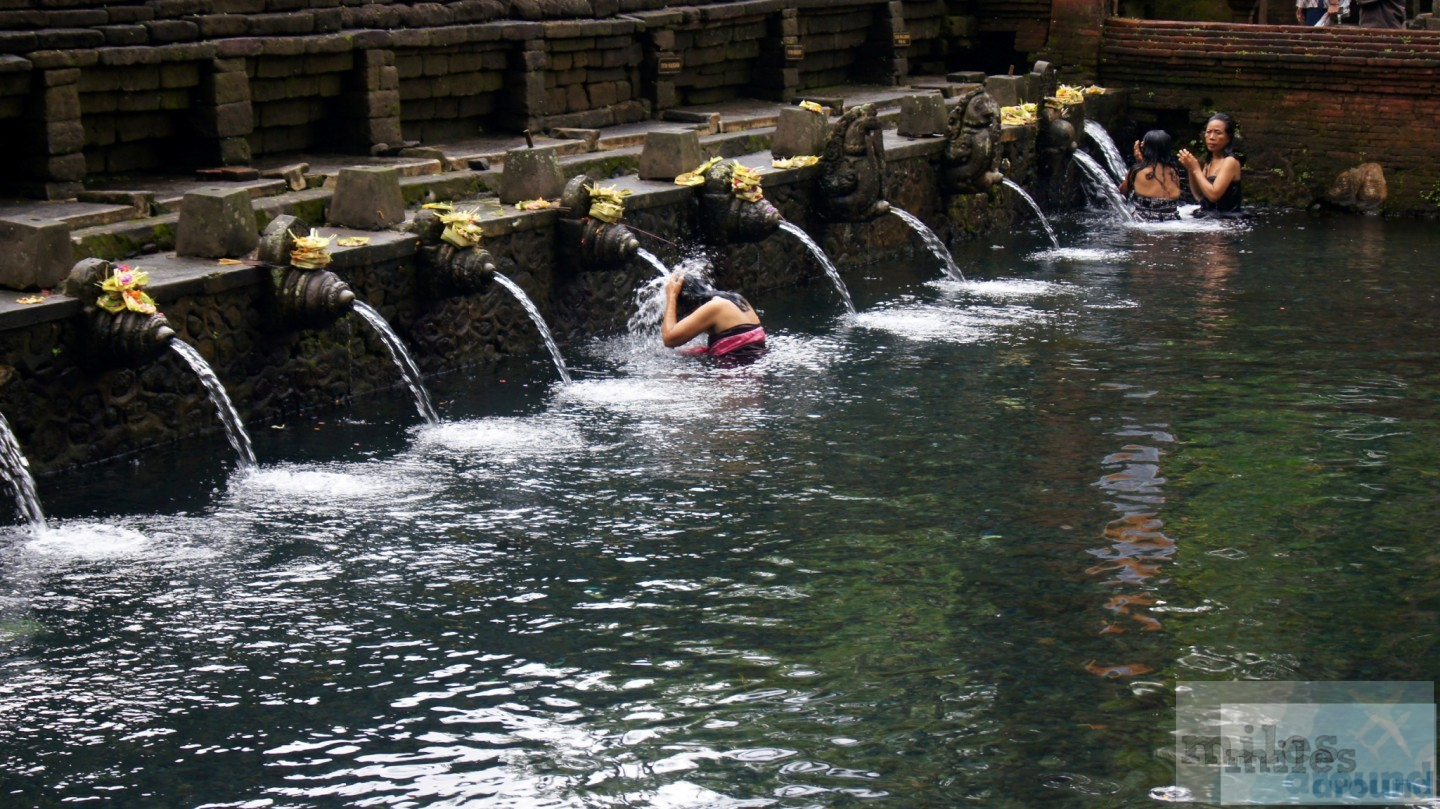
693	308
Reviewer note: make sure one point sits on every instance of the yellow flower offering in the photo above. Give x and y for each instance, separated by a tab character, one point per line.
1067	95
311	252
123	290
607	203
812	106
697	177
1018	115
532	205
745	184
795	162
462	228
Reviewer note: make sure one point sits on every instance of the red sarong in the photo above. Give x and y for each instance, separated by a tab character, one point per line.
731	343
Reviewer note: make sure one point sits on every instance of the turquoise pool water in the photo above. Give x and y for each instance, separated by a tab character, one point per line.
954	550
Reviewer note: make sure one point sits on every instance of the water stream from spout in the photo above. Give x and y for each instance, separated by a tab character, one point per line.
539	322
932	241
402	361
650	258
16	469
1035	206
234	429
825	263
1098	183
1113	160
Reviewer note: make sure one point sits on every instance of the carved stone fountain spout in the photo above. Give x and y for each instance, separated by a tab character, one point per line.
131	335
852	177
972	145
591	232
1059	123
457	265
305	297
732	207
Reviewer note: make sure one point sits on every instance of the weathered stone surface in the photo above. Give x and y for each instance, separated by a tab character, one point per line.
36	254
799	131
668	153
922	115
1009	90
367	198
216	223
530	174
293	175
1362	188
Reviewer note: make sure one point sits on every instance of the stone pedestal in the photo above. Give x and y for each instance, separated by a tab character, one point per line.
670	152
216	223
922	115
1009	90
36	254
531	174
367	198
799	132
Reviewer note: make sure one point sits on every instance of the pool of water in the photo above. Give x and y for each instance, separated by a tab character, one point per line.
953	550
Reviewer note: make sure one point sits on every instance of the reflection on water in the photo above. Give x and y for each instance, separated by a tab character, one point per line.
954	550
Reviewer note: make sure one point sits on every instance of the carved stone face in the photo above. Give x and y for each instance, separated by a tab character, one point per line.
982	111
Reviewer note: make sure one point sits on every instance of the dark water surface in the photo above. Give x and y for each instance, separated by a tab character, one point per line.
952	551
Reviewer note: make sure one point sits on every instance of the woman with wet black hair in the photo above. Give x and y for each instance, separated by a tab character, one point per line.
1216	185
1153	185
693	308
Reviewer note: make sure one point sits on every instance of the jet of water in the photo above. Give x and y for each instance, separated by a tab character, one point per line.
937	247
1113	160
1035	206
650	258
402	359
539	322
234	429
824	260
16	470
1098	183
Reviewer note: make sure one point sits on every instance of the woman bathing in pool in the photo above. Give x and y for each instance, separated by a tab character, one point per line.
693	308
1153	185
1216	186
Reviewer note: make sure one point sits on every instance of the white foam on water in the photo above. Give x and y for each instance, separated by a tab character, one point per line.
1009	289
930	324
1081	255
306	483
1188	223
508	436
86	540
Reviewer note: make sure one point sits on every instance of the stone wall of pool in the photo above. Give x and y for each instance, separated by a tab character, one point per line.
68	407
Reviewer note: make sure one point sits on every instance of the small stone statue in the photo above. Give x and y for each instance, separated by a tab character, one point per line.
972	148
852	179
732	206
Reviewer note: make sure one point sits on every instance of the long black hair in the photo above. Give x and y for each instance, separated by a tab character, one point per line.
695	292
1155	150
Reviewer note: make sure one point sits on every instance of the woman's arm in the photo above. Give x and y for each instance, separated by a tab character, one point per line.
675	332
1227	172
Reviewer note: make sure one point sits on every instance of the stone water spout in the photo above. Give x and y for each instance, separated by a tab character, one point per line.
1060	124
591	233
972	145
454	266
852	176
733	209
136	333
305	297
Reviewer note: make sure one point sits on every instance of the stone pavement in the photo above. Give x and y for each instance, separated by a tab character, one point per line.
147	196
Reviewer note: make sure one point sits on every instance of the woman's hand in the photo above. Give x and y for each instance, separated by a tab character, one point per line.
1189	161
1139	152
672	286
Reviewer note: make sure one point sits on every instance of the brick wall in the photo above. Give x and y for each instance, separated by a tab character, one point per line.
1309	103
